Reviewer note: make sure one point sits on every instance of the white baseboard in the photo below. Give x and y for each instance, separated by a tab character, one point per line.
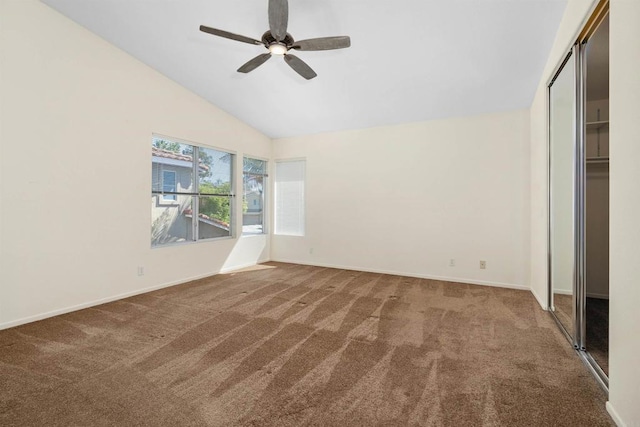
101	301
614	415
545	307
590	295
94	303
543	304
420	276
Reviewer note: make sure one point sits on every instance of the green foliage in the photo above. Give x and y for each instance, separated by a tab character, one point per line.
163	144
205	160
253	165
252	179
216	207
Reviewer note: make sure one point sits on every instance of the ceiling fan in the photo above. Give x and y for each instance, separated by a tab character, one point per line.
279	42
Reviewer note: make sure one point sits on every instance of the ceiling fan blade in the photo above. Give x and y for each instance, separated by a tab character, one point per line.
278	18
300	67
254	63
228	35
323	43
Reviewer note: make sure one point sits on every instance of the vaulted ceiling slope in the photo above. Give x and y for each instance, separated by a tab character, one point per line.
409	60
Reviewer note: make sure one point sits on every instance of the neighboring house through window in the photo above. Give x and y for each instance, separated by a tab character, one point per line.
169	185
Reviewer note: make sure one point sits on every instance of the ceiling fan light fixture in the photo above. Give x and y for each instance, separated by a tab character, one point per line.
278	49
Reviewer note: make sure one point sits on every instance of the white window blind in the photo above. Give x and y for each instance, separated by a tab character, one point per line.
289	197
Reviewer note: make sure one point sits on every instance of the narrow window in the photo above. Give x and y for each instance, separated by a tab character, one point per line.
254	176
289	197
191	194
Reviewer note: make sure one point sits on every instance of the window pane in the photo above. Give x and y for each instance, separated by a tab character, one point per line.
171	158
254	175
170	223
214	171
253	204
215	217
255	166
289	198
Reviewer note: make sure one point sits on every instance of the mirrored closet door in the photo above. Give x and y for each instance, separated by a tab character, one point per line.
562	194
578	109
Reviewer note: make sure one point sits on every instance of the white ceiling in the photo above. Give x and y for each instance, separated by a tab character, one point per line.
410	60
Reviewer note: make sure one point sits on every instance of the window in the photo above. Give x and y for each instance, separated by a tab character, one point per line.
254	175
190	200
169	185
289	197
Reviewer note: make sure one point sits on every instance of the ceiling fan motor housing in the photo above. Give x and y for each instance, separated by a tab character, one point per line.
268	40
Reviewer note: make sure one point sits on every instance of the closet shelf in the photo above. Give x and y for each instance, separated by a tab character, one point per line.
598	160
598	124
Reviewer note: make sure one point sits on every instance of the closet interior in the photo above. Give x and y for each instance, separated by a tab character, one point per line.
597	195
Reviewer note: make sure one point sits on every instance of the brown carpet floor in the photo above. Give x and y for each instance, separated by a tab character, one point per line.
597	315
285	344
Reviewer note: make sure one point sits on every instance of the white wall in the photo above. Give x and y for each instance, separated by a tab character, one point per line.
406	199
624	329
574	17
77	117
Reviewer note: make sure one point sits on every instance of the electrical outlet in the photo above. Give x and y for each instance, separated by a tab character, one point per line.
483	265
310	251
140	271
452	262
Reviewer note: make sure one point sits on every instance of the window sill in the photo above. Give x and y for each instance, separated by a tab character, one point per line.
189	243
253	235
